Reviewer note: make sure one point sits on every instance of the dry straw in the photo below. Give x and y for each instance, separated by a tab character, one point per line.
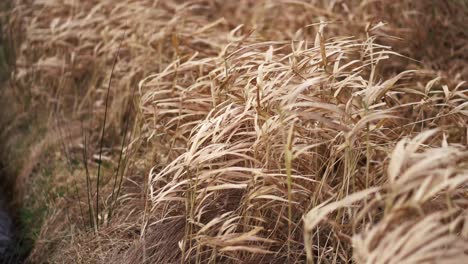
256	131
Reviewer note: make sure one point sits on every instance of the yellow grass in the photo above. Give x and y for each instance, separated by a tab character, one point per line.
246	131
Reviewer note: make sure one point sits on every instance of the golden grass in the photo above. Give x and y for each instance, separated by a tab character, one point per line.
249	131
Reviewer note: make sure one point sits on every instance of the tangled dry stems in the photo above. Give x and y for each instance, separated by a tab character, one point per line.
262	131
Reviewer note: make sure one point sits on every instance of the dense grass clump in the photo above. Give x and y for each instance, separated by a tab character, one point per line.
244	131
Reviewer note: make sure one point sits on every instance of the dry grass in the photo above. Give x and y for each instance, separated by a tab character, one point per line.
249	131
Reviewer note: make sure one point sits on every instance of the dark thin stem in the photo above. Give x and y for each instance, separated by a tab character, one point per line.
126	128
104	131
88	179
118	167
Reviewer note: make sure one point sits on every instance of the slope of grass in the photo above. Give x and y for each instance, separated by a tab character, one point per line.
244	131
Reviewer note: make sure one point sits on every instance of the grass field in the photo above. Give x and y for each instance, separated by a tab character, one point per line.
210	131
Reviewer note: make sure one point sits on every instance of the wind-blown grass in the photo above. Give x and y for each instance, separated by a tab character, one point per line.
263	131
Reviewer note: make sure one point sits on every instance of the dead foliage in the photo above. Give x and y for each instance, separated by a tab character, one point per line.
250	131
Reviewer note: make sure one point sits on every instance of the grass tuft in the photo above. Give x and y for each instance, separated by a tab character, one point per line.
245	131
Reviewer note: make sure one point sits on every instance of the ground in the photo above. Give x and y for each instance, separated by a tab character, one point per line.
144	131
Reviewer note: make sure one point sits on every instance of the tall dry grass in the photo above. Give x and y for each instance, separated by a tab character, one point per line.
249	131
